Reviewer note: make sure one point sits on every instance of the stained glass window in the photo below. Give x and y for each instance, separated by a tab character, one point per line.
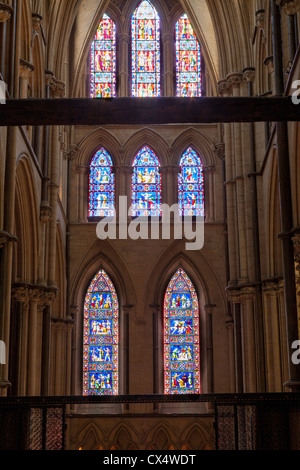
103	60
190	185
181	337
188	60
146	184
102	186
101	337
145	31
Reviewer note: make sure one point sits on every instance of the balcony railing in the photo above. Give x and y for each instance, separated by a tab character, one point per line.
268	421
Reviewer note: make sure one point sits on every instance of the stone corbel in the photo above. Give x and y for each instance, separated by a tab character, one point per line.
6	237
45	213
260	19
269	63
289	7
57	88
26	70
224	87
36	22
72	153
235	79
249	74
219	151
6	12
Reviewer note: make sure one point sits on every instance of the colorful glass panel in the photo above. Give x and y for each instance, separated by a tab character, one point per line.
190	185
103	60
101	337
145	31
188	60
181	337
146	184
101	186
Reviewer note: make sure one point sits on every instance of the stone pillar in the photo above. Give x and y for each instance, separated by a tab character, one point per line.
209	194
168	64
82	172
225	89
269	63
234	298
32	383
209	347
26	70
296	242
272	337
6	12
45	217
249	340
70	324
230	328
124	40
235	80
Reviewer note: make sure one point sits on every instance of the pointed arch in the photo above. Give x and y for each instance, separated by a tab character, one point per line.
188	60
101	337
103	60
181	336
191	185
145	51
101	185
146	184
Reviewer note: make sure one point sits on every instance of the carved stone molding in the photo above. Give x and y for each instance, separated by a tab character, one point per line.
45	213
269	63
72	153
219	151
23	292
249	74
36	22
26	70
240	295
224	87
260	19
6	237
235	79
6	12
272	287
57	87
296	242
289	7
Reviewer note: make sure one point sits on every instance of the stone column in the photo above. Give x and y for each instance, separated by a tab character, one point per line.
296	242
209	195
234	298
70	324
32	383
272	337
209	347
235	80
45	217
168	64
82	172
124	40
26	70
225	89
230	328
6	12
249	340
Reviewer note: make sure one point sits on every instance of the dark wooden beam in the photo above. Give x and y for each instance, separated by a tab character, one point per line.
147	111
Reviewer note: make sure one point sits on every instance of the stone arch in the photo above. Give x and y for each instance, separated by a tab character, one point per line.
196	437
121	438
100	255
95	140
274	225
89	438
27	249
161	437
201	143
160	7
147	137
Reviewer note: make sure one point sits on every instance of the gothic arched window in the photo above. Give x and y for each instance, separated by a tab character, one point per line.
190	185
181	336
145	35
101	337
103	61
146	184
101	186
188	60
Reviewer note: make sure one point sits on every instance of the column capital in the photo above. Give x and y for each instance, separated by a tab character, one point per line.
26	69
57	87
269	63
249	74
219	150
36	22
124	37
289	7
45	213
235	79
260	19
6	12
6	237
82	170
224	87
72	153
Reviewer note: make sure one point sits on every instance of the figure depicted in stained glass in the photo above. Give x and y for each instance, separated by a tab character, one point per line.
190	185
188	60
181	336
145	31
101	337
146	184
101	186
103	60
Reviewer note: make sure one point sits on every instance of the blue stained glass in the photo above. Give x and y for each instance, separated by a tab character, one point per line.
188	60
146	184
181	337
145	32
101	337
103	60
191	185
101	186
